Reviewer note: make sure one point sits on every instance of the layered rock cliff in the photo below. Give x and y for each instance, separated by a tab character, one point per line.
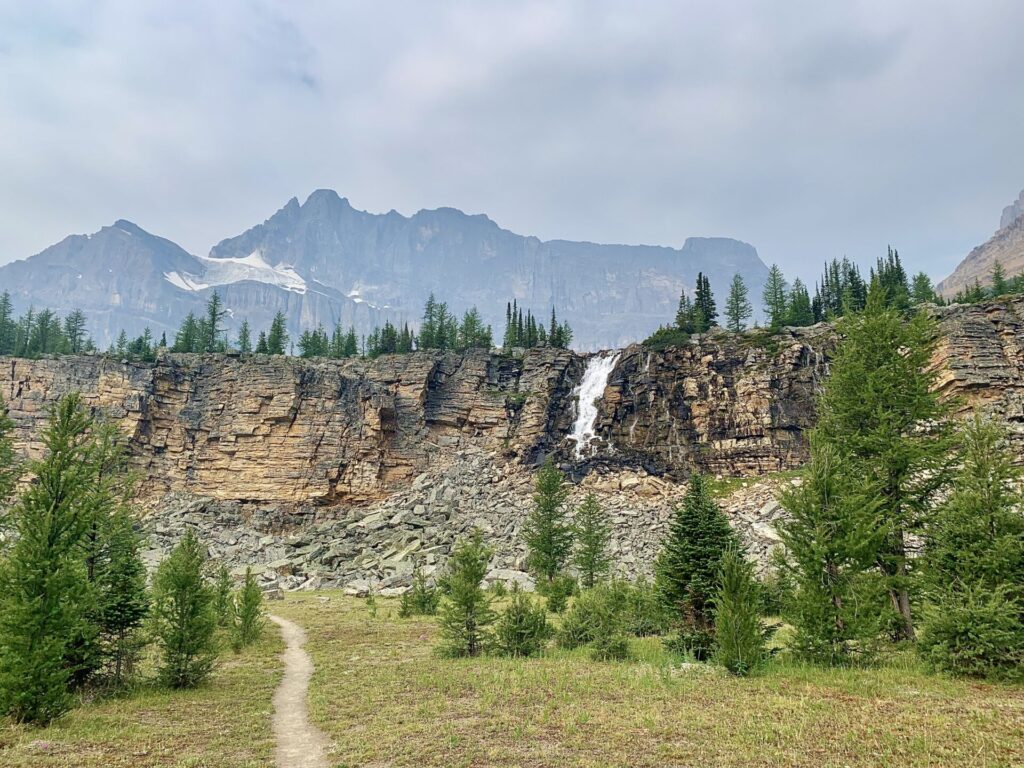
353	471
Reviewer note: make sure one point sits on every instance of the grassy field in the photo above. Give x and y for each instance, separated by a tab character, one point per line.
385	700
224	724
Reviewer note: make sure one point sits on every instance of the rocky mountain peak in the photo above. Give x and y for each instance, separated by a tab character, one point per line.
1012	212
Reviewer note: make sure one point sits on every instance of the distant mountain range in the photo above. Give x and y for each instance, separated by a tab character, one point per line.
324	262
1006	246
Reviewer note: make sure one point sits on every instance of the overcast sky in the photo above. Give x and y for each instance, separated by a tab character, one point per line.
809	129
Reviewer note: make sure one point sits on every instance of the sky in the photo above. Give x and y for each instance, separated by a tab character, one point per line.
810	130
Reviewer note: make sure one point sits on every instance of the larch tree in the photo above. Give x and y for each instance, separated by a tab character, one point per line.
737	306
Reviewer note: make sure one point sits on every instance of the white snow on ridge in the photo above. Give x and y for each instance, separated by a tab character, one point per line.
234	270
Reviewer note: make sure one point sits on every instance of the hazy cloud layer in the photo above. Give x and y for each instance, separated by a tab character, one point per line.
808	129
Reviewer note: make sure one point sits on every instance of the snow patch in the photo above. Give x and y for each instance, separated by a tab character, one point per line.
225	271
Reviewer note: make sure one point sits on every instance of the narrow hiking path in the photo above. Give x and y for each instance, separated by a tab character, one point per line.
300	744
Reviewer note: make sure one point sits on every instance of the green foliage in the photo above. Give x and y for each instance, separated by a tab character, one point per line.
249	617
644	613
831	538
597	618
466	617
523	628
244	341
799	310
593	534
666	336
41	333
774	298
922	291
277	338
223	597
737	306
840	290
528	332
547	535
557	592
739	640
10	467
880	412
421	599
183	618
44	590
686	570
974	563
890	280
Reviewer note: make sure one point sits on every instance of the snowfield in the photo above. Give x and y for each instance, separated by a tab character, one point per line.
225	271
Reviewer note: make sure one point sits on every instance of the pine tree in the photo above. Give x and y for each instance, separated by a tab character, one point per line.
737	306
832	537
8	327
244	338
547	535
684	314
261	344
523	628
1000	285
921	289
74	331
10	467
593	534
686	569
44	592
880	412
223	599
774	298
249	620
974	563
739	641
466	616
183	616
705	312
277	339
123	600
799	311
211	328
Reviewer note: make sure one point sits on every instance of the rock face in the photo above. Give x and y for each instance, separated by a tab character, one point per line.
356	471
1006	246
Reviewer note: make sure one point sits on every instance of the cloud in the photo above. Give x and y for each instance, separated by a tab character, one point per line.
810	130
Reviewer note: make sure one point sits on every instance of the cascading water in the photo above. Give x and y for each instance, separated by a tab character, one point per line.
589	393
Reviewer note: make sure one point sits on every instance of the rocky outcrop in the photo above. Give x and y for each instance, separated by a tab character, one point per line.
1006	246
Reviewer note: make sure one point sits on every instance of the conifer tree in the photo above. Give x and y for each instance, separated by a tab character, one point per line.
832	537
737	306
10	467
921	290
880	412
244	338
547	534
799	311
277	339
774	298
686	569
705	312
974	564
684	314
739	641
522	629
223	596
183	616
123	600
466	617
44	592
249	619
1000	285
262	348
211	327
593	534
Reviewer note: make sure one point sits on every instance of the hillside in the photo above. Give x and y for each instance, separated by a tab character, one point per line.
1006	246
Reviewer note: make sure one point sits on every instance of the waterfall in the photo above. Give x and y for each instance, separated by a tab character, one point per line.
589	393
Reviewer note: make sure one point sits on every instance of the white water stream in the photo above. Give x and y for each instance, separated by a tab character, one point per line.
589	393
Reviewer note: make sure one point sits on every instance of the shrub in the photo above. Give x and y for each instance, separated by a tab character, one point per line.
466	614
557	592
523	628
696	644
739	641
645	615
665	337
420	600
223	604
248	604
183	618
498	589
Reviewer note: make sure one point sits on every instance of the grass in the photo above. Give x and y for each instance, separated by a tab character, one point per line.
223	724
385	699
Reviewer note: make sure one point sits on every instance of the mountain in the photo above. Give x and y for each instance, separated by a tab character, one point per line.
323	261
1006	246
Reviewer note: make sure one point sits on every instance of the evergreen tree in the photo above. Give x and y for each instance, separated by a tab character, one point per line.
685	320
10	467
799	311
262	348
8	326
183	616
593	535
974	563
74	331
123	600
774	298
223	600
249	618
466	617
921	290
737	306
739	641
421	599
44	592
523	628
686	569
832	538
188	338
211	327
277	339
891	279
547	535
1000	285
880	412
244	338
705	313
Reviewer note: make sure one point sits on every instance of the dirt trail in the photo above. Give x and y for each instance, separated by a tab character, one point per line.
300	744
